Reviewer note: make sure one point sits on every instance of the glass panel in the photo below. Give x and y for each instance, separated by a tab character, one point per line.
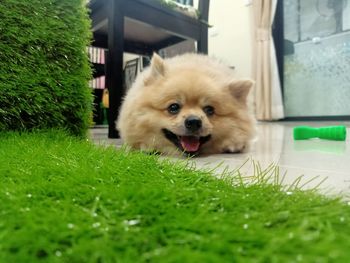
291	21
185	2
346	17
316	18
317	67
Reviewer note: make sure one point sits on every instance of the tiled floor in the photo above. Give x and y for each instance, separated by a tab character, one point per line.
318	159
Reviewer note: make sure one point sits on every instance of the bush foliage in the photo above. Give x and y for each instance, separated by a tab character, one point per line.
44	68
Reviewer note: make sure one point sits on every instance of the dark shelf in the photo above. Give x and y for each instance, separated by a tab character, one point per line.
141	27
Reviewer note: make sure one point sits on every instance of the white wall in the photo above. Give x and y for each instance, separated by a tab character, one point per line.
230	38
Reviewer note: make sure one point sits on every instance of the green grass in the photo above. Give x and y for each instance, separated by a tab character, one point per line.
65	200
44	67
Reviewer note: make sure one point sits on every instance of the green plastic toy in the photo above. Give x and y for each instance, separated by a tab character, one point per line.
336	133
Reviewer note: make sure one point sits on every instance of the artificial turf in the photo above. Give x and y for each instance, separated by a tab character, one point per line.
62	199
44	65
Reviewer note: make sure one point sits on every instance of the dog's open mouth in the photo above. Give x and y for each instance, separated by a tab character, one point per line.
188	144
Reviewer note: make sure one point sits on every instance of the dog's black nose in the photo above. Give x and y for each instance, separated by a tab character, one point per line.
193	123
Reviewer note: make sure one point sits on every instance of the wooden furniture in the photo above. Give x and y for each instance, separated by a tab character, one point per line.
140	27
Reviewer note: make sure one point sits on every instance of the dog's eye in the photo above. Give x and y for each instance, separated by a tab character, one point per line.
174	108
209	110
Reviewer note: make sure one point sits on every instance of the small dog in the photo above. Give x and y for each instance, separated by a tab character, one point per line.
187	104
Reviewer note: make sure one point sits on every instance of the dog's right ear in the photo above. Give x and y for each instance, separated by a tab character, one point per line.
240	89
157	68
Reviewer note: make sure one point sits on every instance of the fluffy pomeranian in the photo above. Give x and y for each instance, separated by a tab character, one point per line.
187	104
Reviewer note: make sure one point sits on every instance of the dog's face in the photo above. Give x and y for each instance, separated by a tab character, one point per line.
184	110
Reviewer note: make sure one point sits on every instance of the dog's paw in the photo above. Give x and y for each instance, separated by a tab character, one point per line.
236	148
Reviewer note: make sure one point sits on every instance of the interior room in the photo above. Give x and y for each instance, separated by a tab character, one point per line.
303	83
174	131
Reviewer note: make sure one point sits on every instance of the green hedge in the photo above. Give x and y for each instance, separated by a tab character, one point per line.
44	67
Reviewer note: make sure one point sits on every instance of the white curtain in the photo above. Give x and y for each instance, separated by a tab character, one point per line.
268	96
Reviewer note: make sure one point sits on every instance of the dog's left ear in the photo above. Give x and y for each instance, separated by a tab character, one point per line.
240	89
157	68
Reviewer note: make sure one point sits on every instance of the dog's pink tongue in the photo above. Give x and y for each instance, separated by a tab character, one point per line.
190	143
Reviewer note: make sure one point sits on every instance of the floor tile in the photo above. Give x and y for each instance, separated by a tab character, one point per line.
316	160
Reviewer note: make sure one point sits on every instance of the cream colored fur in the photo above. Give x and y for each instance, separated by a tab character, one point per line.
194	81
